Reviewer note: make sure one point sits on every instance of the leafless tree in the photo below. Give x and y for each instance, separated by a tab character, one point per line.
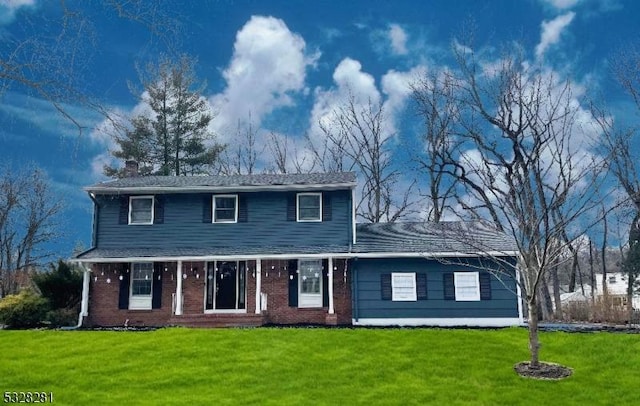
520	160
359	133
619	144
285	156
328	155
28	219
434	95
242	156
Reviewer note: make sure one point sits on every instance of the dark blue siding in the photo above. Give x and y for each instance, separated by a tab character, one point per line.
266	225
368	301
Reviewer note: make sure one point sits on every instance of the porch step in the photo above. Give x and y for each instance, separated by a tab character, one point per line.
217	320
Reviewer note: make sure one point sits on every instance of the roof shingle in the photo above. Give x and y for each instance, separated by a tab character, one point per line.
225	182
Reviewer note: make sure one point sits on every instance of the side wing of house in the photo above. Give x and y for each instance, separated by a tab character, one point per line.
428	292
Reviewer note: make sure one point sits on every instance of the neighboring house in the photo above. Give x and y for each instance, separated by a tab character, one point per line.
281	249
616	283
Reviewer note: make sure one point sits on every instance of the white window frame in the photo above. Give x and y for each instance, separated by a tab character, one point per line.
140	302
396	286
319	196
213	212
310	300
460	283
131	199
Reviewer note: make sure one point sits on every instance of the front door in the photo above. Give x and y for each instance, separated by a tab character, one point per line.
225	285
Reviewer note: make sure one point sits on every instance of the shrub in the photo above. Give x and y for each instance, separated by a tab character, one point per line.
62	317
61	286
24	310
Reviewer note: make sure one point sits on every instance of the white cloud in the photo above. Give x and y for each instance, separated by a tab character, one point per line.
561	4
268	65
350	81
551	31
398	38
8	9
397	87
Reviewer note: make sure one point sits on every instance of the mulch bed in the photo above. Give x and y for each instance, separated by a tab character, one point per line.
545	370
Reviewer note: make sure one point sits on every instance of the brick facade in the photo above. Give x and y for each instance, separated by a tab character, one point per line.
104	291
105	287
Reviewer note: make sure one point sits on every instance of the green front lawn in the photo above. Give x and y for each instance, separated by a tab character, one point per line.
316	366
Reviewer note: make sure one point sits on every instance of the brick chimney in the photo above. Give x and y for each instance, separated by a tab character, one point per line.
130	169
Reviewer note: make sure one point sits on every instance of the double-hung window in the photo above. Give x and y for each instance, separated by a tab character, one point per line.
141	285
310	283
309	207
403	287
225	209
467	286
141	210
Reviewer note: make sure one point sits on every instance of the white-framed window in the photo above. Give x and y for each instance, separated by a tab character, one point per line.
141	210
309	207
310	283
141	286
403	287
225	209
467	286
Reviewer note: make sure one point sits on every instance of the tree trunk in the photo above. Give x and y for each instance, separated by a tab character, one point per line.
556	292
534	344
546	305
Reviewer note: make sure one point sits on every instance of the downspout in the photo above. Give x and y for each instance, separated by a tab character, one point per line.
96	214
84	304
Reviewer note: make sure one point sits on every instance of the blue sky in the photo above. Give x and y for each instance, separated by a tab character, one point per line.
286	64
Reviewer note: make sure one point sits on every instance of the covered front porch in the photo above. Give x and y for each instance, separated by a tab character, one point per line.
219	291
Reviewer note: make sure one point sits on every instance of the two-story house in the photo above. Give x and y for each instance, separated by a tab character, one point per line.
274	249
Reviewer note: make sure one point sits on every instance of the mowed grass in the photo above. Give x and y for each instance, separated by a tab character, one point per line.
316	366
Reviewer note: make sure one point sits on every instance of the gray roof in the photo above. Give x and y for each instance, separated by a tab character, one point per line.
378	240
234	182
201	252
432	238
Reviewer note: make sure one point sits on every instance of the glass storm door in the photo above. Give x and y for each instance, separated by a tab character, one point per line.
226	285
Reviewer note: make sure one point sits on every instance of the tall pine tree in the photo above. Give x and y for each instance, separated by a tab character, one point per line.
172	138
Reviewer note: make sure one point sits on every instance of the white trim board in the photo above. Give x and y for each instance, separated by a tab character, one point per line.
457	322
338	255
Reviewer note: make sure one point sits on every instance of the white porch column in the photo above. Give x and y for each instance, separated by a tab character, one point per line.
258	285
330	280
179	289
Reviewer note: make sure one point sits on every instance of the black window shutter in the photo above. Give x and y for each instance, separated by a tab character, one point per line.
123	298
207	208
158	210
485	286
123	218
325	282
449	287
326	207
421	286
156	298
293	283
291	207
385	286
243	215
